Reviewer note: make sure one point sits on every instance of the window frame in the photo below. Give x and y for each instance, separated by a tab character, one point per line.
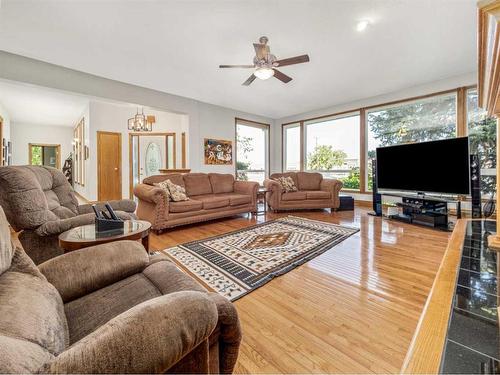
258	125
326	119
284	127
460	126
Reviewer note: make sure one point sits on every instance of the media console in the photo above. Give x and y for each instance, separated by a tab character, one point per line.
421	210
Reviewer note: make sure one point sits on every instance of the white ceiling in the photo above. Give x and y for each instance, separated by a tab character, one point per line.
40	106
176	46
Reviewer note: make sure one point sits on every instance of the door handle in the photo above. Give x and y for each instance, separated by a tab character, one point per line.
116	169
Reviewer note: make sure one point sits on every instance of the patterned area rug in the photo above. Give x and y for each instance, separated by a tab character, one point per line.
236	263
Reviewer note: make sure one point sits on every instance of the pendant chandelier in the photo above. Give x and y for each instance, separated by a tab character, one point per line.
140	122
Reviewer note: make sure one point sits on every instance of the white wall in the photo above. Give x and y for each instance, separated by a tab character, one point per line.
24	134
113	117
204	119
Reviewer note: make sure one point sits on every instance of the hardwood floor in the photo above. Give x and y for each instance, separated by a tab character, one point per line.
352	309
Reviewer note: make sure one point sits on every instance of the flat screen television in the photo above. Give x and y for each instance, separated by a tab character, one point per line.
430	167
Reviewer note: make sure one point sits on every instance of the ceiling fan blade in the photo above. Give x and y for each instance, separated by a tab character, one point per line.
260	50
237	66
293	60
281	76
249	80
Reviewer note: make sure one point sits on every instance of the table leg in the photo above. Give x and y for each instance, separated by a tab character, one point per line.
145	242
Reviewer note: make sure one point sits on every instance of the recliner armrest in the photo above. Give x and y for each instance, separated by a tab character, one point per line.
53	227
149	338
125	205
83	271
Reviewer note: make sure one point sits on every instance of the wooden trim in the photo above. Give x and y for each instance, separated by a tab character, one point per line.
302	146
120	162
363	151
301	142
58	152
427	345
461	112
250	122
130	153
260	125
357	109
183	150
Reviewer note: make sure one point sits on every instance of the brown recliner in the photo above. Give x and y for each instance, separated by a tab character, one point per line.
109	309
313	192
40	202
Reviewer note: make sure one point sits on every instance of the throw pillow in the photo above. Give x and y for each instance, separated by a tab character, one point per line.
164	185
287	184
175	193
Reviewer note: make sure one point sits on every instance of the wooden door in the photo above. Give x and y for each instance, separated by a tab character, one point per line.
109	165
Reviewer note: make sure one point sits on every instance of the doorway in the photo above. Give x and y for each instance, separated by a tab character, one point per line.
48	155
109	166
148	154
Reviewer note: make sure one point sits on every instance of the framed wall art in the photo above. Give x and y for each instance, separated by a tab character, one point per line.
218	152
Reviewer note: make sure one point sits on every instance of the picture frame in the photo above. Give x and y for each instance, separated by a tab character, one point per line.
218	152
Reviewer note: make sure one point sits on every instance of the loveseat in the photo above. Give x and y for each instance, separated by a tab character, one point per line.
110	308
40	202
313	192
211	196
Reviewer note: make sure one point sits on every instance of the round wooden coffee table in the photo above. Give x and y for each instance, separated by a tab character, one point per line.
86	235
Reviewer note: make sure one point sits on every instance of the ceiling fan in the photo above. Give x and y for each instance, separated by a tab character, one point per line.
265	63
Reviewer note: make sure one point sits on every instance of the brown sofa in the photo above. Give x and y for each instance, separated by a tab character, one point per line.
40	202
314	192
211	196
109	309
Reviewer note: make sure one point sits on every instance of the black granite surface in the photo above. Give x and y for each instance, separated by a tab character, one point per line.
473	339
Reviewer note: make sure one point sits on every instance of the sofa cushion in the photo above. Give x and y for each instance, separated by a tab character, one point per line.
294	196
185	206
197	184
30	307
211	201
318	194
91	311
221	183
22	196
309	180
237	199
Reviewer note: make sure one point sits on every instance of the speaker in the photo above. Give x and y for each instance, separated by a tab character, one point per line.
377	198
475	186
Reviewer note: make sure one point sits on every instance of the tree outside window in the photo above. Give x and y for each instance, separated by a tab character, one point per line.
428	119
482	141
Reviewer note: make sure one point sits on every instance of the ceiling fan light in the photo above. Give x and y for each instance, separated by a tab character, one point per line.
264	73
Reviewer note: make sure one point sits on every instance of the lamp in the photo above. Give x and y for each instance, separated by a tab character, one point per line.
264	73
141	123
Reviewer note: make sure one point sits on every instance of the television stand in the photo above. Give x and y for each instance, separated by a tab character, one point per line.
421	210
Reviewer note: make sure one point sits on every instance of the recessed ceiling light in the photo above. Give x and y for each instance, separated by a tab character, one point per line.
362	25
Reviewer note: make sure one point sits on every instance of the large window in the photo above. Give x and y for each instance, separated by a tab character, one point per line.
332	148
291	147
343	146
422	120
252	151
482	140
